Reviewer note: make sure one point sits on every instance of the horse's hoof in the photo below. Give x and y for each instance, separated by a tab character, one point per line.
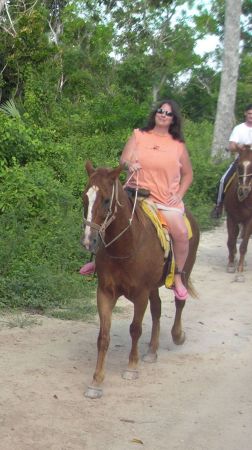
93	392
231	269
179	340
130	374
150	357
239	278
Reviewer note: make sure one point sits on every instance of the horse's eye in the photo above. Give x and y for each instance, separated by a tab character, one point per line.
106	202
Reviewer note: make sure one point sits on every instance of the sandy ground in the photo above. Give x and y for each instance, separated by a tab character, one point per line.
196	397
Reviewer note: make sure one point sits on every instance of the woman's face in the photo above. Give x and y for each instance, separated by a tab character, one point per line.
164	116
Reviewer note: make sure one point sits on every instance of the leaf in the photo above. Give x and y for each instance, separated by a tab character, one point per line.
9	108
137	441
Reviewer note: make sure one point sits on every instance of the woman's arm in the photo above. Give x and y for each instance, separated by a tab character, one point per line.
186	173
129	158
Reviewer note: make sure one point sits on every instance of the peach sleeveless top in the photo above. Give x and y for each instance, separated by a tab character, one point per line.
159	157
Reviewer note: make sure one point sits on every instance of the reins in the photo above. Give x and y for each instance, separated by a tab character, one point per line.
244	176
243	190
111	215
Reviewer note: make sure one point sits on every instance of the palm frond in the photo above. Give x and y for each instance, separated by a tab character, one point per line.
9	108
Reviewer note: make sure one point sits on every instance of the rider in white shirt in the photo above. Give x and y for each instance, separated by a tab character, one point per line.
240	136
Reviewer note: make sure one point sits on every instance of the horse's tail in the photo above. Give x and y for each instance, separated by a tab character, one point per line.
191	290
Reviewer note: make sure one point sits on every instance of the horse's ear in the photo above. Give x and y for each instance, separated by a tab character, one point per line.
89	168
116	172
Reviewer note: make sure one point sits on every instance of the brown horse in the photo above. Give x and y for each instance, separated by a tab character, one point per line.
238	205
129	262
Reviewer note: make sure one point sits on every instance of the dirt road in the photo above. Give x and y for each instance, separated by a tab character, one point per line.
196	397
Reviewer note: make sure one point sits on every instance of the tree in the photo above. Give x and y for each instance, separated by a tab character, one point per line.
224	120
2	2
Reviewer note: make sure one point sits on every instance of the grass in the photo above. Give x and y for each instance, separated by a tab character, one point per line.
19	320
75	309
74	298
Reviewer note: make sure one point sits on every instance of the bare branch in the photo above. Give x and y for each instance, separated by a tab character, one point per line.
204	85
8	31
3	69
10	20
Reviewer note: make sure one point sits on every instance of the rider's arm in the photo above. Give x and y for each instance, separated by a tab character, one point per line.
236	139
234	147
129	158
186	173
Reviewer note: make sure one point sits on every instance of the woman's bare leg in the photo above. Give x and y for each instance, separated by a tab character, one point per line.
179	233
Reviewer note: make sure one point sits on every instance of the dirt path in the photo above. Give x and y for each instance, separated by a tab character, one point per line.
196	397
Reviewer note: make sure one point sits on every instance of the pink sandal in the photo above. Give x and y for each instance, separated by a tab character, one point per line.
180	293
87	269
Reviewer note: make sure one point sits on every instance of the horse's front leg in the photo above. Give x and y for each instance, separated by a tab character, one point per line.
155	307
105	305
140	304
233	231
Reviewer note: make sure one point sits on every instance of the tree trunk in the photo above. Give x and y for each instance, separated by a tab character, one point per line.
2	3
224	120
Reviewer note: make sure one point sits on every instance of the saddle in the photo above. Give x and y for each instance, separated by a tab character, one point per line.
162	229
164	236
141	192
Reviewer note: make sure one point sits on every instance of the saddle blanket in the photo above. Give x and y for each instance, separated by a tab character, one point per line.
161	226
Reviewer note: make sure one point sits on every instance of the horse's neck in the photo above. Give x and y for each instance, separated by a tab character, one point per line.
124	220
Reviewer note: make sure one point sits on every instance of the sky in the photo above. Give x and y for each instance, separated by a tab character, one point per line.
208	44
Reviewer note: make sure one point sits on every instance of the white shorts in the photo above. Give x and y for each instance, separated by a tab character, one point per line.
168	208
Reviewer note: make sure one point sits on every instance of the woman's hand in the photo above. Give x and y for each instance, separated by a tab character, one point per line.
175	199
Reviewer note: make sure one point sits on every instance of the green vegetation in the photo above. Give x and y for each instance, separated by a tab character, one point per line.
75	79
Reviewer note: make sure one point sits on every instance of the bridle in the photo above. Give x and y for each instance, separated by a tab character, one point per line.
111	215
243	190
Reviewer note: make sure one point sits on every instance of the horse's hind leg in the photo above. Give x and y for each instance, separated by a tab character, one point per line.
177	332
178	335
155	307
243	250
140	304
233	231
105	305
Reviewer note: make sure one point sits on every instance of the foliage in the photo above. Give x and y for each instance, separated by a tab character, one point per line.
19	143
10	109
201	196
79	76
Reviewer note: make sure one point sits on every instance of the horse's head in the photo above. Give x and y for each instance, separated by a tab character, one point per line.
244	172
100	200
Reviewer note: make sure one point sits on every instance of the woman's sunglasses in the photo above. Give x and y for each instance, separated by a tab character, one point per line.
162	111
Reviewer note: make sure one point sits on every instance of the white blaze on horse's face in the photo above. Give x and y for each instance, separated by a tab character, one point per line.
91	194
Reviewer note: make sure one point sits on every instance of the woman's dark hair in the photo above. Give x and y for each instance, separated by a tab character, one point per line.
175	128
